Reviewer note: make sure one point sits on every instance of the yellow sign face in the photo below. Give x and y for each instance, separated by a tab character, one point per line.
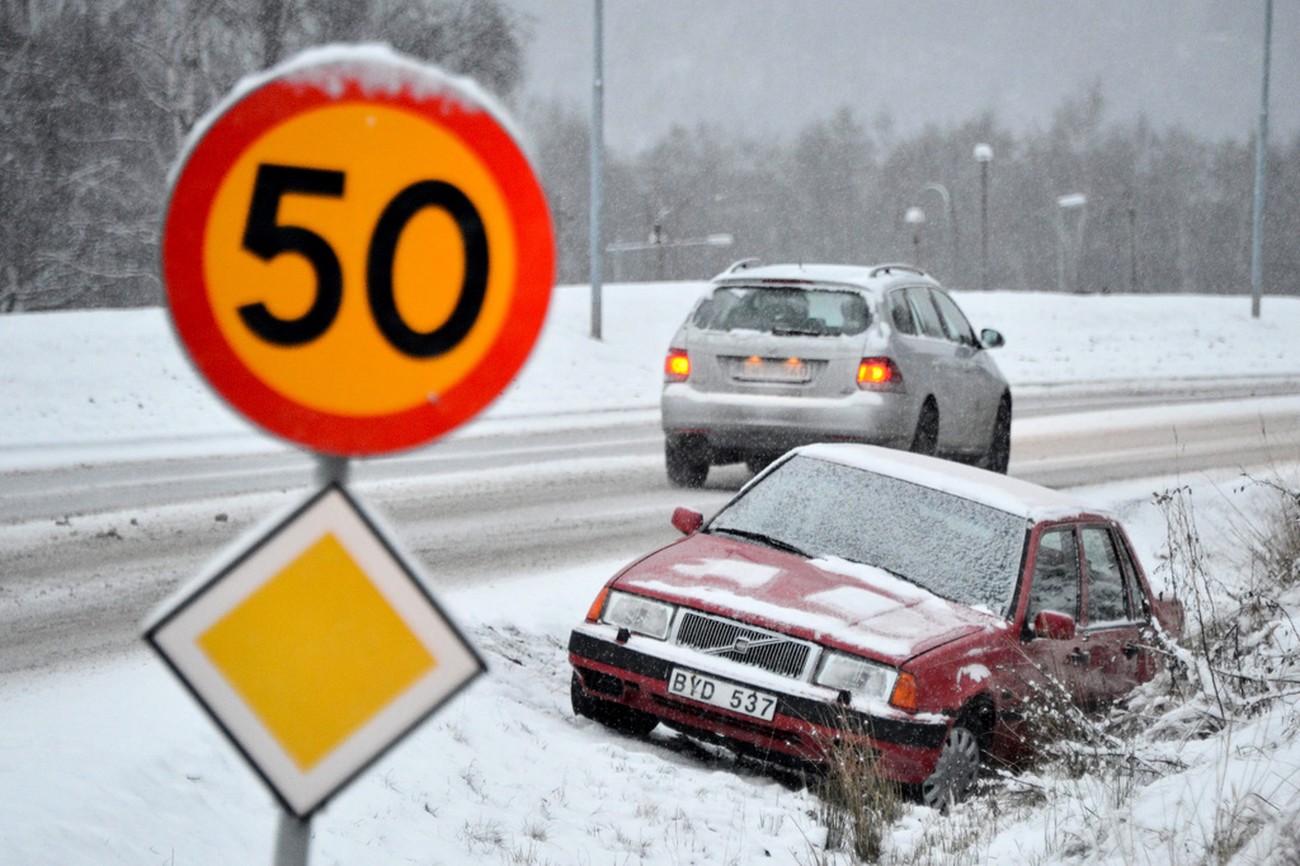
428	262
357	254
315	650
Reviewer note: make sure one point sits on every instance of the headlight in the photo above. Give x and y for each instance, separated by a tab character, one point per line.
859	677
638	614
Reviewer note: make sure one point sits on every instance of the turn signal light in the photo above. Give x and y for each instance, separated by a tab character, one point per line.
677	366
904	696
879	374
597	606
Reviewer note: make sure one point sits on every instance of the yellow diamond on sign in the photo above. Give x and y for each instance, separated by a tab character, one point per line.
315	648
317	622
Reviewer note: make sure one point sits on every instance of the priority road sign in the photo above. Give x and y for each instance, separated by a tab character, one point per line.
315	649
356	252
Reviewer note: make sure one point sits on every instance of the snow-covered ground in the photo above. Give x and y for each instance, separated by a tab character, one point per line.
112	763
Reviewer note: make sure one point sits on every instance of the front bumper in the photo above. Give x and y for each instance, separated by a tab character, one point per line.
802	729
737	421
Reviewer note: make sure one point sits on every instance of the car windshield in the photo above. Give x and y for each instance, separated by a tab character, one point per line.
779	310
964	551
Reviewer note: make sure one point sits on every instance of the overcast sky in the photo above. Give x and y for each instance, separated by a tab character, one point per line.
764	66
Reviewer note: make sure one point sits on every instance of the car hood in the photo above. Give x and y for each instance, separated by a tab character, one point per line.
832	601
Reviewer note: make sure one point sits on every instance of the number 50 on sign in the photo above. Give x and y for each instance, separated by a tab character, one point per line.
357	254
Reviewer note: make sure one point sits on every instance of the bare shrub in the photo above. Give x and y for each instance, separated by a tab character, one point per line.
857	805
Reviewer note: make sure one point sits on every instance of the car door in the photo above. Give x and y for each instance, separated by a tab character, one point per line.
1116	615
975	391
1057	663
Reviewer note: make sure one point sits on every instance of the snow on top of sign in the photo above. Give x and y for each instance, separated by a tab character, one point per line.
374	67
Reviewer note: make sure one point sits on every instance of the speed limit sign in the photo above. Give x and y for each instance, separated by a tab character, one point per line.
356	253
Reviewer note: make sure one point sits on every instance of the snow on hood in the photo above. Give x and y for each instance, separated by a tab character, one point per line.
840	603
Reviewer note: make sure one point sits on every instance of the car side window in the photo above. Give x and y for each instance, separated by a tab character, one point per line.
954	322
1106	595
900	312
1139	607
1055	584
926	315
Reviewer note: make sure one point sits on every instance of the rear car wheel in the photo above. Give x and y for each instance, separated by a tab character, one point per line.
956	770
926	438
687	462
756	463
614	716
998	457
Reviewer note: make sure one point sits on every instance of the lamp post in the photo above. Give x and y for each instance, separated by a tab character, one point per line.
597	163
915	217
951	213
1261	160
1074	201
984	155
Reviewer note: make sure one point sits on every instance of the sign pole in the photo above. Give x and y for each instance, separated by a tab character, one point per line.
292	840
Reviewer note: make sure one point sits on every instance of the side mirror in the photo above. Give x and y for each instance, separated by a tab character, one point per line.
992	339
687	520
1054	626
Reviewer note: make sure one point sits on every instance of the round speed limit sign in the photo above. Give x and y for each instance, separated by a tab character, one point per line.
356	253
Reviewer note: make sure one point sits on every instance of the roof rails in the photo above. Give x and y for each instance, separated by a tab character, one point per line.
897	266
741	265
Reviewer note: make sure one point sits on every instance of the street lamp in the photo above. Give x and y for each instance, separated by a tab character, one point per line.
951	213
915	217
984	155
1075	201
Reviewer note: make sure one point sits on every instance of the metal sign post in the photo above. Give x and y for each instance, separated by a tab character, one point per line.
316	646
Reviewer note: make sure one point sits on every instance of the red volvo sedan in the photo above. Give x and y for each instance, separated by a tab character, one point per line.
855	591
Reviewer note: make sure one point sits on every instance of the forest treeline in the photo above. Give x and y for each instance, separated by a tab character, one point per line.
96	101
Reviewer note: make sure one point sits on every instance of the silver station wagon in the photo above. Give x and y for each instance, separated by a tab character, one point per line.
777	356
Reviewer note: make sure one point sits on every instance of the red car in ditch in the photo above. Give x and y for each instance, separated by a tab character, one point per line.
854	591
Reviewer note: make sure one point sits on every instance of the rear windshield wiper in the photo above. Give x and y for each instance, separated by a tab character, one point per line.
761	538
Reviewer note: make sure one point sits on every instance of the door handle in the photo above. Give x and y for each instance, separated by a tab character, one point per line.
1131	649
1079	657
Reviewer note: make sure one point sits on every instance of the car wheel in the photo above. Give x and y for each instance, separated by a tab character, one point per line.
998	457
756	463
926	438
614	716
687	464
956	770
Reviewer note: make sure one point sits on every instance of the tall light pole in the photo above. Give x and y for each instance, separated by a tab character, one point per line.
984	155
1261	160
1075	201
951	214
915	217
597	164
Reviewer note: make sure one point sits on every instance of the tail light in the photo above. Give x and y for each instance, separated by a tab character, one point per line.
677	366
879	374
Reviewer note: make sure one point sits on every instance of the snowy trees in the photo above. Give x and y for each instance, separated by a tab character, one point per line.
1166	211
96	101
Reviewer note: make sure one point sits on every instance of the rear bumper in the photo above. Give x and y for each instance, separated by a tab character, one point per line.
802	729
747	423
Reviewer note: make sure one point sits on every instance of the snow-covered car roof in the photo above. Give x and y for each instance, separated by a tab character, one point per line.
853	276
1012	495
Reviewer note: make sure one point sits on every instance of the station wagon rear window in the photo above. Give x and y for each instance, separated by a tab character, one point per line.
782	310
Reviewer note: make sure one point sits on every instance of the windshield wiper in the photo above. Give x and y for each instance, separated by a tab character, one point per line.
761	538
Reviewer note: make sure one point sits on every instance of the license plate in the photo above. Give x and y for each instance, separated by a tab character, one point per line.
720	693
770	370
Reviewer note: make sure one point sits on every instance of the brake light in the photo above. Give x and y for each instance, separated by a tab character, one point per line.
677	366
904	694
879	374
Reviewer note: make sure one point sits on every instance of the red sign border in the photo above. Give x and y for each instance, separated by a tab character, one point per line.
185	227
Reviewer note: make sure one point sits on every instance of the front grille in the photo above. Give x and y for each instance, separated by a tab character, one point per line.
742	643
